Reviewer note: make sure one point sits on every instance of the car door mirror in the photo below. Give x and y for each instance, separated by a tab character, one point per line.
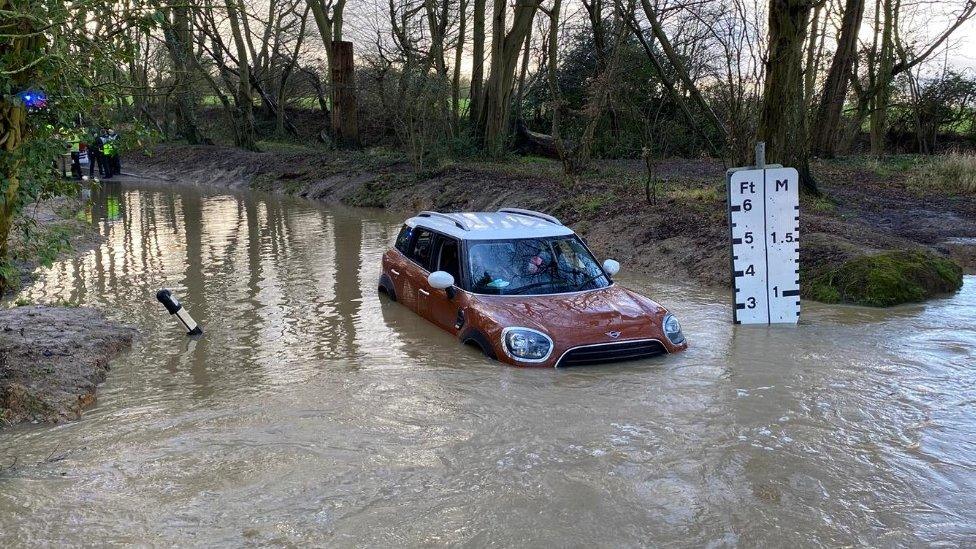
440	280
610	266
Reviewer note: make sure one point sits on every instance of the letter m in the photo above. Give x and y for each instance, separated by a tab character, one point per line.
784	183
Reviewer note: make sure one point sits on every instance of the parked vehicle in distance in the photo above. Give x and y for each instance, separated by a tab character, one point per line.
523	288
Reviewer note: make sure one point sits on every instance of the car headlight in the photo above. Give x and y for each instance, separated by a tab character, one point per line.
672	329
526	344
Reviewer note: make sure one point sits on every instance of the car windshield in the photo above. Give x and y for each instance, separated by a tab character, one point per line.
533	266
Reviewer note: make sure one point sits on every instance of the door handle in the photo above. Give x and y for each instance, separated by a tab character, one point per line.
423	291
395	272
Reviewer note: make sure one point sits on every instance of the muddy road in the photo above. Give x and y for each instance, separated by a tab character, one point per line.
314	412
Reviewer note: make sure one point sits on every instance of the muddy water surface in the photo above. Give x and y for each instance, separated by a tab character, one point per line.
315	413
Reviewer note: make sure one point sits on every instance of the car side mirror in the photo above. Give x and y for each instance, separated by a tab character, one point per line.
442	281
610	266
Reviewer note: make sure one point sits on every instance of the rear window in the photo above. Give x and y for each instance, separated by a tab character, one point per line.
420	249
403	239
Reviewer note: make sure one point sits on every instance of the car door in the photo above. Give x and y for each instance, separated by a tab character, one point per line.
439	307
413	276
396	262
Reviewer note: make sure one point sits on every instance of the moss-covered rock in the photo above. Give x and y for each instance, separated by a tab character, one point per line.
886	279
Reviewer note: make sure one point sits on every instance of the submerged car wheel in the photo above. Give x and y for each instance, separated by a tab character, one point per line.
386	287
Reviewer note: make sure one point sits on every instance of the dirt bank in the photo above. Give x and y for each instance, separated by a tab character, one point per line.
52	357
677	228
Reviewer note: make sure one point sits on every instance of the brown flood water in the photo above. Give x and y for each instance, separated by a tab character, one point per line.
315	413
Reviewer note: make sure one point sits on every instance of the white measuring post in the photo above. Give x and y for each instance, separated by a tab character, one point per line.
764	223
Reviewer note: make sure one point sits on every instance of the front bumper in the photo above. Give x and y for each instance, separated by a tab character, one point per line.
603	352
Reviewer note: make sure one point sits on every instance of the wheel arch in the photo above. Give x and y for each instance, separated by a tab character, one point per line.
472	336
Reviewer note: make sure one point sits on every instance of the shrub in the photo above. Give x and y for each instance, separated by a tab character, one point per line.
954	173
886	279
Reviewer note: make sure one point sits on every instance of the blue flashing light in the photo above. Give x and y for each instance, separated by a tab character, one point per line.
33	99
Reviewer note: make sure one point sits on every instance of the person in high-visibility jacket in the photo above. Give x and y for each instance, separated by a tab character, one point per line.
112	152
75	141
103	161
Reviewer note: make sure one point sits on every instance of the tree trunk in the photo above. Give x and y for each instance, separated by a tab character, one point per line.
810	70
345	124
782	123
179	44
520	93
504	58
882	91
456	78
286	72
330	29
478	63
246	137
838	76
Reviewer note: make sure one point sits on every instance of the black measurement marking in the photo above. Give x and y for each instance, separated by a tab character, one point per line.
737	241
766	246
737	274
735	208
788	293
740	305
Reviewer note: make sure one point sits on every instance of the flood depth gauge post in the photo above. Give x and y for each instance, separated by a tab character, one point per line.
764	226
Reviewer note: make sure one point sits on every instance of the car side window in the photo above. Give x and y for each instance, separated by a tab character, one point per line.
403	239
449	258
421	248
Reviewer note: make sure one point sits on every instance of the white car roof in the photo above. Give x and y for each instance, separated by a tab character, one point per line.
507	223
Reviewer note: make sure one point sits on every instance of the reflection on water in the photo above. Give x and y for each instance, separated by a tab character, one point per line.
314	412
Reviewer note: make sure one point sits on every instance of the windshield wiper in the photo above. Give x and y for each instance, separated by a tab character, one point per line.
587	281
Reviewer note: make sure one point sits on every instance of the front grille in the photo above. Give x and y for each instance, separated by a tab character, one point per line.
612	352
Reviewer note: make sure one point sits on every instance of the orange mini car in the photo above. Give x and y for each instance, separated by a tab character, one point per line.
524	288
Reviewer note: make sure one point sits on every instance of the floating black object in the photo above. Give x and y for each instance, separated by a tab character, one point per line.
173	306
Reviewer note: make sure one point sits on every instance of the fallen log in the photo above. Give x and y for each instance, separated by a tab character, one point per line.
535	143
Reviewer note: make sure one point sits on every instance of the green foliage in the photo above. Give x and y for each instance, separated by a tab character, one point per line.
893	165
930	107
887	279
9	275
820	204
44	246
592	204
699	195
